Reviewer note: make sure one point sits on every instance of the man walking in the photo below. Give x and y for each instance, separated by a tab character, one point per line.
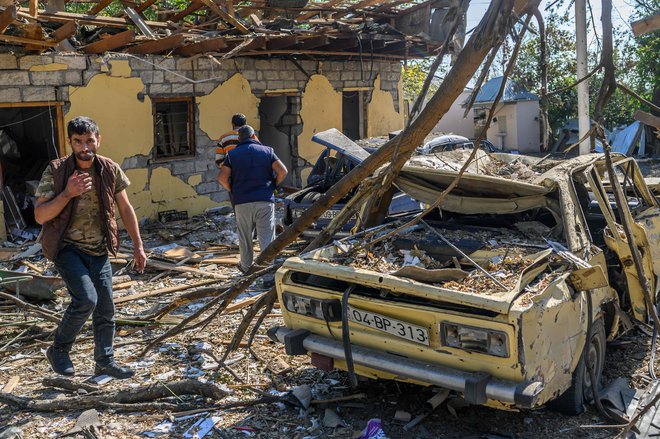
76	201
250	173
229	140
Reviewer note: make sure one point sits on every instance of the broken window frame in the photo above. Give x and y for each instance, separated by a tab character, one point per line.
59	118
190	128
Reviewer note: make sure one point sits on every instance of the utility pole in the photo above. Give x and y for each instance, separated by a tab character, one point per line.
583	87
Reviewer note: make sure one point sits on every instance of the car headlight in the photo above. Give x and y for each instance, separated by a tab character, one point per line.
325	309
469	338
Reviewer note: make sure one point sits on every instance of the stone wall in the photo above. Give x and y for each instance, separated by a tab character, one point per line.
57	77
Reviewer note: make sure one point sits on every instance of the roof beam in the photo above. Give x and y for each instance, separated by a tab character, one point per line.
11	39
281	42
139	22
157	46
110	43
65	31
210	45
144	5
647	118
100	6
225	16
192	7
646	25
7	17
326	5
314	42
33	7
64	17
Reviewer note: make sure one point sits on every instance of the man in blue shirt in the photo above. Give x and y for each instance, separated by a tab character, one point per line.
250	173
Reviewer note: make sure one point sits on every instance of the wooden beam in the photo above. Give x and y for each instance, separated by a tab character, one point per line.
249	44
110	43
647	119
94	20
65	31
314	42
225	16
342	43
157	46
140	23
100	6
21	41
210	45
192	7
7	17
281	42
33	7
646	25
325	5
144	5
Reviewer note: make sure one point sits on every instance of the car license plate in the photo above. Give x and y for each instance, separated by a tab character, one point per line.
329	214
414	333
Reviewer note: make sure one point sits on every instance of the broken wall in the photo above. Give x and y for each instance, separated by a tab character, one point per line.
118	91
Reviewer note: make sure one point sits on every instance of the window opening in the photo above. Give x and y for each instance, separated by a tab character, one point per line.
174	127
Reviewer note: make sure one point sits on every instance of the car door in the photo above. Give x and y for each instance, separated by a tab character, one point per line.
643	213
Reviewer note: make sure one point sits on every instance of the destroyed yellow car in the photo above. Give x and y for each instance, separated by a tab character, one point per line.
490	299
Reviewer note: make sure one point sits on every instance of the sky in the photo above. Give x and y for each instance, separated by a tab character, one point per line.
621	11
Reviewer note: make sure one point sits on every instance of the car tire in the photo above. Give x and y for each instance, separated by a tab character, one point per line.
572	401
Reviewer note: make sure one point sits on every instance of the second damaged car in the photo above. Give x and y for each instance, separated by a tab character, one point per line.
492	298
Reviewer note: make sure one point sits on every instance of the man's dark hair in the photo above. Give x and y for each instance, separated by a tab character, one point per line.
245	132
238	120
82	125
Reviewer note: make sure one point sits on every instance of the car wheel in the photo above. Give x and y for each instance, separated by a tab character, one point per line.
572	401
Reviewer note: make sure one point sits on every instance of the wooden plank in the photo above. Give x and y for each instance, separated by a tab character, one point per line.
140	23
342	43
144	5
192	7
314	42
248	44
646	25
20	41
211	45
162	291
225	16
281	42
7	17
647	118
110	43
100	6
11	384
157	46
242	304
94	20
65	31
326	5
33	7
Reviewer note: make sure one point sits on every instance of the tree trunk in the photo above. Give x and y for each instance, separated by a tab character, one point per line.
490	32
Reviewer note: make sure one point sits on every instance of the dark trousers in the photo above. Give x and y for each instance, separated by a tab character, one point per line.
89	281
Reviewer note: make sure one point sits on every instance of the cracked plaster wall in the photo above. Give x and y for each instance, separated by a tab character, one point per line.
118	93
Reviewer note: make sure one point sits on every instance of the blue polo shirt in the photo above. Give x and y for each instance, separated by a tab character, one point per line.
252	176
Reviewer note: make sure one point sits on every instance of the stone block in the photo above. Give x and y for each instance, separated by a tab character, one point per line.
47	78
308	66
293	84
8	61
182	167
333	75
25	62
184	64
34	94
220	196
300	76
203	64
259	85
184	88
159	89
14	77
260	75
72	77
275	85
204	88
250	74
75	62
141	63
88	75
147	76
10	95
166	63
207	187
271	74
203	166
62	93
262	64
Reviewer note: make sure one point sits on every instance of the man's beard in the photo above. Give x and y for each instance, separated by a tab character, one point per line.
85	156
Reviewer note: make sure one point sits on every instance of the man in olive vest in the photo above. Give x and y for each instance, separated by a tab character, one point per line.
76	201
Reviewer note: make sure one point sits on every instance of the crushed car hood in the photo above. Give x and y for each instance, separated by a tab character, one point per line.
337	141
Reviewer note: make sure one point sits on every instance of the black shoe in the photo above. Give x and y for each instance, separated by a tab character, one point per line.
60	361
114	370
268	283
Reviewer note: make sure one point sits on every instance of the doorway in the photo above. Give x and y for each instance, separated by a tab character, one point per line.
278	129
352	114
31	135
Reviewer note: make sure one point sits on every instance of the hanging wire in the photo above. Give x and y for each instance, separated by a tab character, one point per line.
25	120
52	131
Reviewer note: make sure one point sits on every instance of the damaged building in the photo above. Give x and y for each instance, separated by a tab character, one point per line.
163	85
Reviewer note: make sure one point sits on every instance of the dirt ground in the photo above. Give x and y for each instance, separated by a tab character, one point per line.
250	374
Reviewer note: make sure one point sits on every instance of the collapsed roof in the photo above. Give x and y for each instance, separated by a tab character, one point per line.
335	28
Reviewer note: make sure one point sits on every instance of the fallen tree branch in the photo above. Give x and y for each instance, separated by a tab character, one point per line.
48	315
129	396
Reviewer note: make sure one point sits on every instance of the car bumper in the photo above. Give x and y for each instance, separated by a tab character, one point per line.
476	387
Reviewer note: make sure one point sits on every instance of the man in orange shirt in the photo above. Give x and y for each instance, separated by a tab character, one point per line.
229	140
